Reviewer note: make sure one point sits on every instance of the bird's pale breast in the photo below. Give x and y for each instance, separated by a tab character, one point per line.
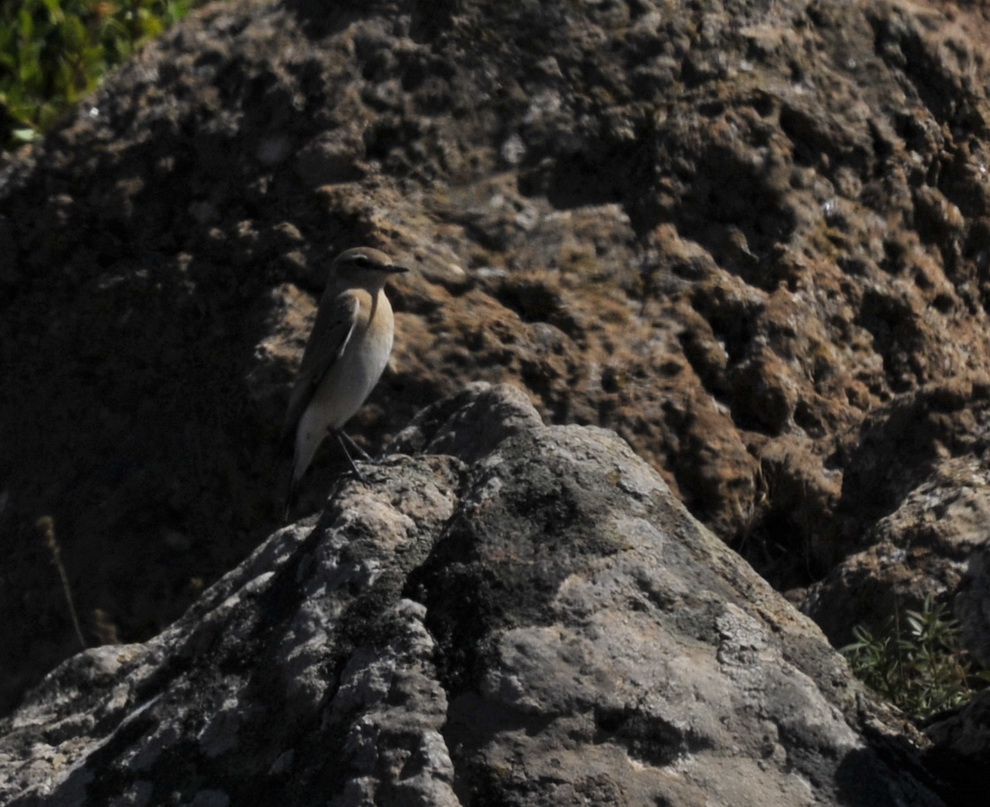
352	377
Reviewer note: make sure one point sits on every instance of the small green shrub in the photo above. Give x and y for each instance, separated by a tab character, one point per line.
52	52
920	667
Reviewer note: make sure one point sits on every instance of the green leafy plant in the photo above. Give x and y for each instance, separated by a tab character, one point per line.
920	666
52	52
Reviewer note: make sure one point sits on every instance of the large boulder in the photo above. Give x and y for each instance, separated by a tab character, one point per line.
517	614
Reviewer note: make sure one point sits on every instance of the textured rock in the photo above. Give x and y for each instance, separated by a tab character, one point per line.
961	750
529	618
972	605
750	236
915	471
924	548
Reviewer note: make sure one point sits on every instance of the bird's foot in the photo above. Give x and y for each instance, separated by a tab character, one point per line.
364	454
341	436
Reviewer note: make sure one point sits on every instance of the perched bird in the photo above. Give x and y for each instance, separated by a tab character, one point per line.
345	356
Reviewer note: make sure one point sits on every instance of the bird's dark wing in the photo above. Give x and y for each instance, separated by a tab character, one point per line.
333	328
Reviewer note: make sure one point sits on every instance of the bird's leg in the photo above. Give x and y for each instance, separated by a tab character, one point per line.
343	447
355	446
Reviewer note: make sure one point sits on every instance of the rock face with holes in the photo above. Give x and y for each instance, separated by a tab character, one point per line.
515	614
748	235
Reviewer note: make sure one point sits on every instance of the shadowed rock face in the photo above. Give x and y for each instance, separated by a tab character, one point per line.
750	237
961	749
529	617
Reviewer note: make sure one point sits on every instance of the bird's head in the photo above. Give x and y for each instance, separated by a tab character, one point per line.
365	267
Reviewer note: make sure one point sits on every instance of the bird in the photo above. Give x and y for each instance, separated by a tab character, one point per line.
345	355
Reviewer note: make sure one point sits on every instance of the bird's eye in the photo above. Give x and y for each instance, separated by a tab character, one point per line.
361	262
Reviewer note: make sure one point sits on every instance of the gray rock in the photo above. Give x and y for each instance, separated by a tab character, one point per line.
972	606
961	750
529	618
932	545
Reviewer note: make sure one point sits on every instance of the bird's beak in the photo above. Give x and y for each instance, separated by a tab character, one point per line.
397	270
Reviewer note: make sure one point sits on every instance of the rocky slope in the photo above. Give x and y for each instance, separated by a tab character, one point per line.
751	237
519	615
